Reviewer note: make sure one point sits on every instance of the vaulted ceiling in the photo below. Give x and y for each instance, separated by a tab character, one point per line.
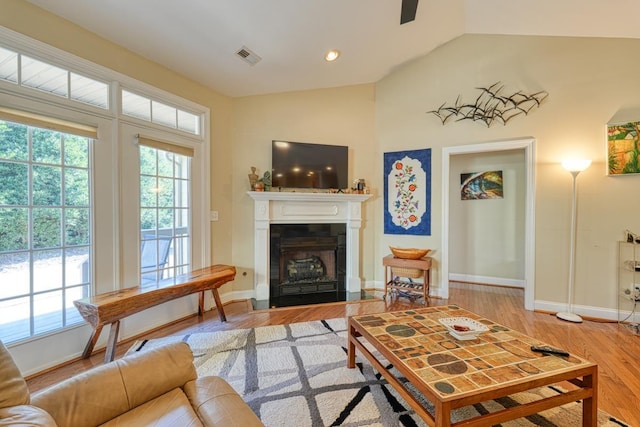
200	38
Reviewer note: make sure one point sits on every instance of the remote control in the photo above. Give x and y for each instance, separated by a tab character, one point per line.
549	350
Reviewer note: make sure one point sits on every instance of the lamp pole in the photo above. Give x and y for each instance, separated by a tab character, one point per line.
574	167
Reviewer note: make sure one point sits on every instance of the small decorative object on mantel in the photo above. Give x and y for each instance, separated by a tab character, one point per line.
492	105
253	178
266	181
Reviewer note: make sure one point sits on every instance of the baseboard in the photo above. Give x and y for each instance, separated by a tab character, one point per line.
487	280
596	313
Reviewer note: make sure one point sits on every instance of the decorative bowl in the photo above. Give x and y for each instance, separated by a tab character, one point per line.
463	328
409	253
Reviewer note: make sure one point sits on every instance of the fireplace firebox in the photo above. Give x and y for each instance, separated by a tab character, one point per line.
307	263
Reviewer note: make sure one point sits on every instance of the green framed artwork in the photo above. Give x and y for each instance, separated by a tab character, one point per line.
481	185
623	149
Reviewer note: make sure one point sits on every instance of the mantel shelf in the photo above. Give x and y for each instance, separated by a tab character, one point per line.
295	196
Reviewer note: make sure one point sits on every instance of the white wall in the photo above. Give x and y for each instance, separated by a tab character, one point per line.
486	237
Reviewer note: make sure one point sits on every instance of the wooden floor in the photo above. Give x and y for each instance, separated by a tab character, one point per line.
611	346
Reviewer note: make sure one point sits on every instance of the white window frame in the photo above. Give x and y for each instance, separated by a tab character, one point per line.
111	272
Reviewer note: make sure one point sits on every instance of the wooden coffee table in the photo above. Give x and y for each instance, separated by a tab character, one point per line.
453	373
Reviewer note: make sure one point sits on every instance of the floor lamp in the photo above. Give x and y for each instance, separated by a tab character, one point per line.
574	167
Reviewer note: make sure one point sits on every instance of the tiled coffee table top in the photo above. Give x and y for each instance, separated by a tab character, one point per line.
451	367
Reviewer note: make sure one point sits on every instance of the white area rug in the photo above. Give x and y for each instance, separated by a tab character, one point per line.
297	375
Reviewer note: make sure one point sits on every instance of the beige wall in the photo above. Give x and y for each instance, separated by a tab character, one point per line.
338	116
486	237
36	23
589	81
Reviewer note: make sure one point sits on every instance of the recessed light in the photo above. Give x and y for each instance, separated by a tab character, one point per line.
332	55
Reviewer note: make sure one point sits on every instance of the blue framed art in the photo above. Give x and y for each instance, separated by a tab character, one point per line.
407	192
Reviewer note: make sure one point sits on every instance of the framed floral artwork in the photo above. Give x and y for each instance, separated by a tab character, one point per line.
407	192
623	148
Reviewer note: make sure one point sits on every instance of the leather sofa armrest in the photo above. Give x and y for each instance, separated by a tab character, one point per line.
218	404
13	388
25	415
103	393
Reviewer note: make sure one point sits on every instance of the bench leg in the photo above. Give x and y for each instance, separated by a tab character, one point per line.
201	304
216	297
219	307
88	349
110	354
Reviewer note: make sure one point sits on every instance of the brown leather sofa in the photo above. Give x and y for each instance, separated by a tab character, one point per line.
156	387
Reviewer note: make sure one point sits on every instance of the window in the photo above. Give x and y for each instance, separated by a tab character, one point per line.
164	211
88	231
45	228
35	74
143	108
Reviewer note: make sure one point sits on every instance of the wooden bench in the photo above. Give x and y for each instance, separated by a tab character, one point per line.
110	307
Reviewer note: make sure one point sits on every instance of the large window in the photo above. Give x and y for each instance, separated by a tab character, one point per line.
164	212
85	208
45	228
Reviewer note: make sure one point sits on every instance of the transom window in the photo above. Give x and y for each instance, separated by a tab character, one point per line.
149	110
35	74
45	228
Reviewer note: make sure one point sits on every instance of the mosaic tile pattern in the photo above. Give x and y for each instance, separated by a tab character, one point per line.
450	366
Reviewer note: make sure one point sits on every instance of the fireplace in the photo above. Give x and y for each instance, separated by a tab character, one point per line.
306	213
307	263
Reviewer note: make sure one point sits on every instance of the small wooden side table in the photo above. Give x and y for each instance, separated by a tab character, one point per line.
399	272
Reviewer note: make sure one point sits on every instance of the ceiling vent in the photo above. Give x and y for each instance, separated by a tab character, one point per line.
248	56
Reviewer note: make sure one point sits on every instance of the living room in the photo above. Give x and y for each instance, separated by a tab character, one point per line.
591	81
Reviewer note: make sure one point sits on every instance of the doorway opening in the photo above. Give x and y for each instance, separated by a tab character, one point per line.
528	147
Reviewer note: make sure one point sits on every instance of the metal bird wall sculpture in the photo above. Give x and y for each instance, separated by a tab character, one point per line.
491	106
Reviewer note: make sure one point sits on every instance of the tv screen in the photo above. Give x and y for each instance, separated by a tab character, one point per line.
303	165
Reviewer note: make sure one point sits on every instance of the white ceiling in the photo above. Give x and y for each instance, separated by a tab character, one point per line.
200	38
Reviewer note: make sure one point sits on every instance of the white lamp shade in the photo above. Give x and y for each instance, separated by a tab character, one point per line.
576	165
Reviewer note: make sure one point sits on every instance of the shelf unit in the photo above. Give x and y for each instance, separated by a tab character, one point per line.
399	275
629	286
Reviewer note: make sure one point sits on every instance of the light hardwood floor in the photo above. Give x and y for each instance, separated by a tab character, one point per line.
612	347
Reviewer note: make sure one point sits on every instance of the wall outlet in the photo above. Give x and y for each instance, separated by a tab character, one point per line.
634	292
213	216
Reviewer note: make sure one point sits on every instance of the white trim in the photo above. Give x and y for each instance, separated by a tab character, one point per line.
528	144
582	310
487	280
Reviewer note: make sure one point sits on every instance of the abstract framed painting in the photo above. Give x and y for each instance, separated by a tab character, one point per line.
481	185
407	192
623	148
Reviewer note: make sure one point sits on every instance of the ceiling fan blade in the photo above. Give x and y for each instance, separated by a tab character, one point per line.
408	12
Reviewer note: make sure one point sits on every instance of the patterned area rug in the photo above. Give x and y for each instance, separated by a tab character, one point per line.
297	375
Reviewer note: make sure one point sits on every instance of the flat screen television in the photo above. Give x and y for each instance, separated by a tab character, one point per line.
304	165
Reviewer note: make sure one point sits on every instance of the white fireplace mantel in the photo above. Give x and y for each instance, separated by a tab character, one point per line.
272	207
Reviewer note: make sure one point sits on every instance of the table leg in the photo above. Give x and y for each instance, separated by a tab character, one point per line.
216	297
110	353
442	412
351	348
88	349
590	404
